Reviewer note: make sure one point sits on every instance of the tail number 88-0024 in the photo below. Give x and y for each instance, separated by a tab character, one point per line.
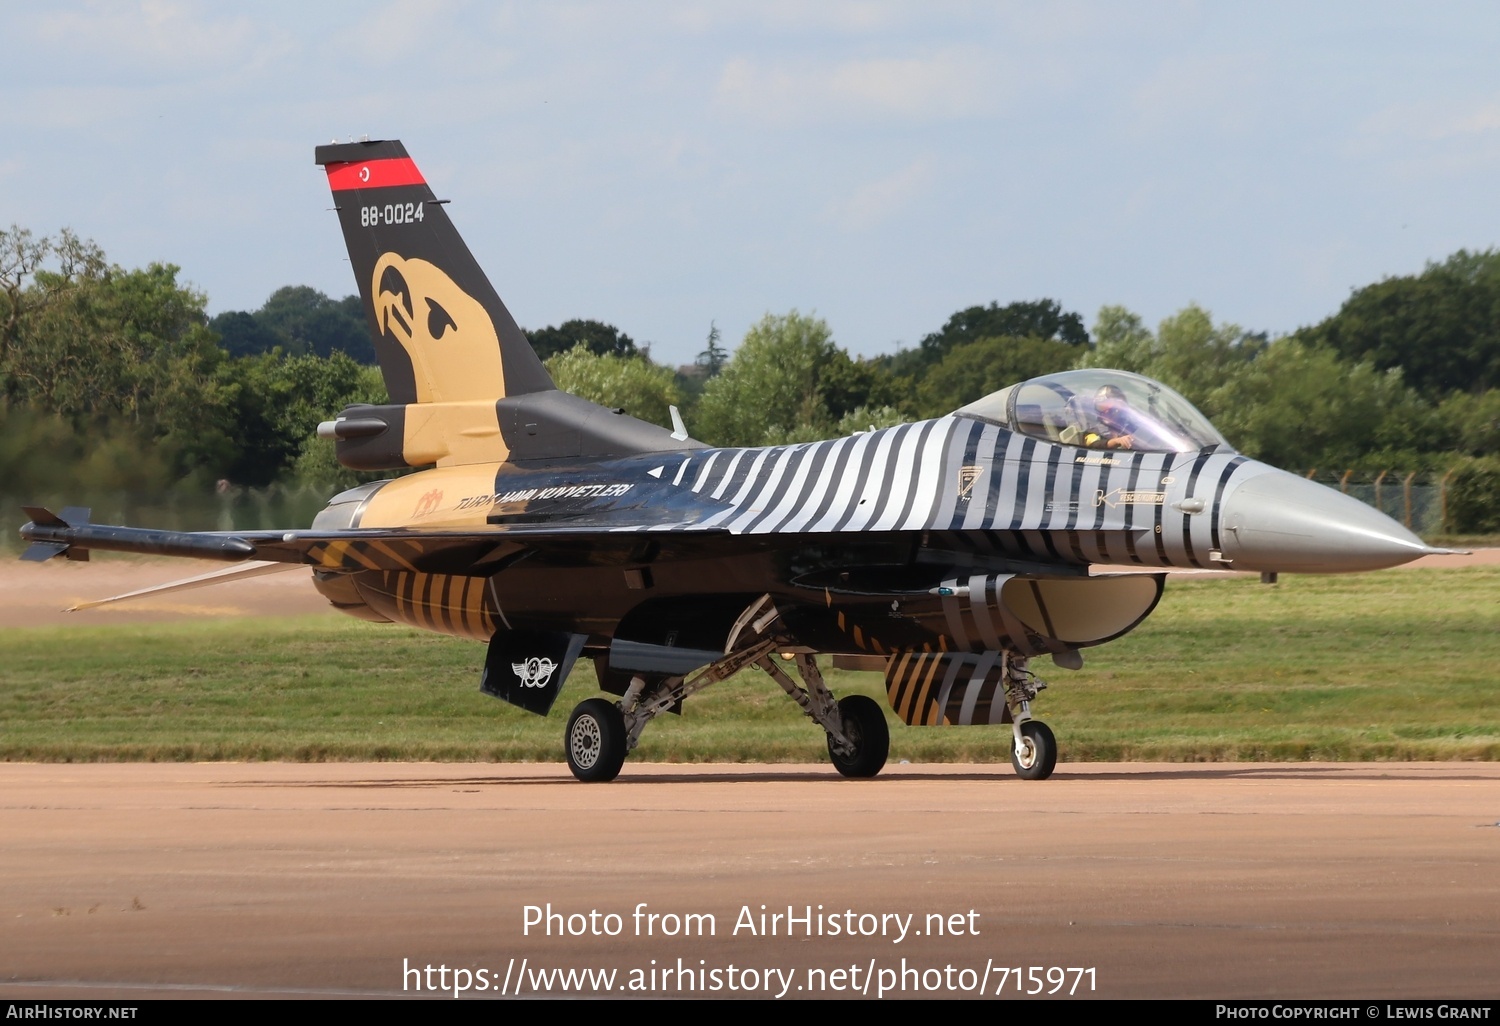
391	213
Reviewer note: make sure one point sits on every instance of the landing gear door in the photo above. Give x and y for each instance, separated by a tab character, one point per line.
527	668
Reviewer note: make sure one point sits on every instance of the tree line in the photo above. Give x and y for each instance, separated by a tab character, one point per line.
115	378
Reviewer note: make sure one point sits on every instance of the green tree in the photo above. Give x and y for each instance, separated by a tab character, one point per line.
1121	340
595	336
1041	318
300	320
1291	403
35	274
280	401
46	457
1470	423
1440	327
1300	406
633	383
122	357
869	418
1188	352
975	369
133	346
1474	496
789	382
242	334
714	355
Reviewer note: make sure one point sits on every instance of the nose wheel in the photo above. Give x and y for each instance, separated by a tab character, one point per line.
1034	755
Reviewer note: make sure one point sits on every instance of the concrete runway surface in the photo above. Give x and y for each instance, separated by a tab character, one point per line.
1367	881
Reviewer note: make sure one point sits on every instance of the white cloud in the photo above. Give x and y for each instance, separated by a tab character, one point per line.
1435	139
159	36
855	19
840	16
875	201
942	85
1435	121
1220	91
403	30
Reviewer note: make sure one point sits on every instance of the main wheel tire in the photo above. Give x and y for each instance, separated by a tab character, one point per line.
595	741
1038	757
864	724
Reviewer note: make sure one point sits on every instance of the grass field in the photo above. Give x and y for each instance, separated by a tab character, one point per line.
1400	665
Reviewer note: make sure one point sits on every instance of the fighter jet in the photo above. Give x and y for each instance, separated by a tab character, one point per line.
948	554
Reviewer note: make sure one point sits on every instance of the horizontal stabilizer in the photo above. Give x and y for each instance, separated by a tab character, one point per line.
233	573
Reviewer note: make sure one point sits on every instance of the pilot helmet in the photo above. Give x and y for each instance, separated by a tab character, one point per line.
1110	399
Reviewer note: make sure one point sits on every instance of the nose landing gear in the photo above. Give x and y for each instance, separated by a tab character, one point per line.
1034	756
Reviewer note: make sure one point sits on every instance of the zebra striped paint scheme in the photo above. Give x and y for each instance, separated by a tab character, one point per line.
978	619
957	473
947	689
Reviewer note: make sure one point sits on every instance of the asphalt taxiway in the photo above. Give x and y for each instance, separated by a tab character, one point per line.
1212	881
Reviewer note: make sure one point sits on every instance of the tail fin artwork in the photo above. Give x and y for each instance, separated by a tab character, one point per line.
441	332
465	385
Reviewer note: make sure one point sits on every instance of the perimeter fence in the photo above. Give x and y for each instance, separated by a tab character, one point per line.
1420	501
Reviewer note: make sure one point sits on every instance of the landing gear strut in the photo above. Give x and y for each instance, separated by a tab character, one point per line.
600	733
1034	753
858	739
619	730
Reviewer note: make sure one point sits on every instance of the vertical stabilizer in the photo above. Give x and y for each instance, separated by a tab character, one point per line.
441	333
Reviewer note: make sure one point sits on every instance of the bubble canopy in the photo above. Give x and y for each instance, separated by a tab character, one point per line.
1100	409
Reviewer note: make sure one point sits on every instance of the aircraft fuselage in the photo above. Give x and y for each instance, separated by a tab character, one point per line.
906	538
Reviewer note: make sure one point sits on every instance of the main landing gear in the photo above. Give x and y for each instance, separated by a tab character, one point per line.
601	733
596	740
867	738
858	739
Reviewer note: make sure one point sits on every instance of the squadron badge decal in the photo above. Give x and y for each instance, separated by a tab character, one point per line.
967	476
534	672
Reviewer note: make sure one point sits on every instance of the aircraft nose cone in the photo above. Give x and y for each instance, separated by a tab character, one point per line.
1279	521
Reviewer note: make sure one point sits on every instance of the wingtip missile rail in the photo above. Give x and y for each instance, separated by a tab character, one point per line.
70	535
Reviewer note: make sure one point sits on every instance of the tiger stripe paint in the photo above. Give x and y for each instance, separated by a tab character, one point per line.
450	604
945	689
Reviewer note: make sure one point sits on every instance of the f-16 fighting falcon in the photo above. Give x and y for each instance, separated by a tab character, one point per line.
949	554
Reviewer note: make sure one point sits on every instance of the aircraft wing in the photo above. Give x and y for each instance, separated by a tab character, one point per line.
431	550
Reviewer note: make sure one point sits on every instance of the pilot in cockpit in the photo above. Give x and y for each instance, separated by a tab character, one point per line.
1103	423
1100	409
1122	426
1116	420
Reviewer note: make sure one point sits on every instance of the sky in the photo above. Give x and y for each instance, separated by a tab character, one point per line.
662	166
